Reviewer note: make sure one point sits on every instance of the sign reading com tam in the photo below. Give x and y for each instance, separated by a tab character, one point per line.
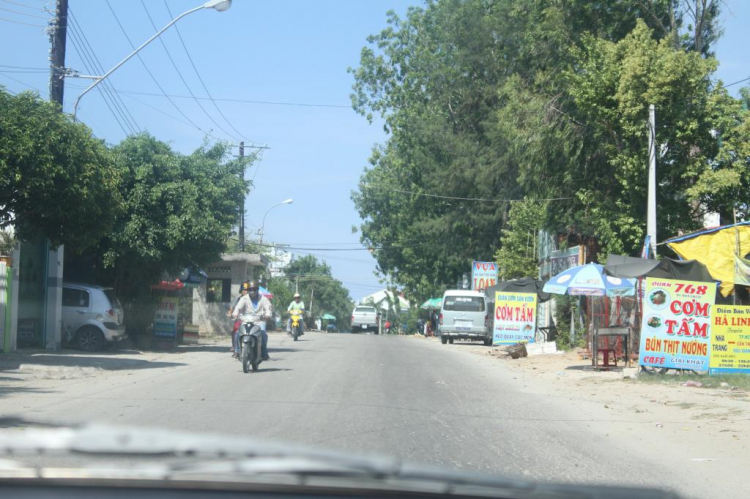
675	332
730	339
483	275
515	318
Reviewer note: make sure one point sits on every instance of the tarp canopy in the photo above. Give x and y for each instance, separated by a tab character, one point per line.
522	285
589	280
328	317
432	304
716	249
175	285
628	267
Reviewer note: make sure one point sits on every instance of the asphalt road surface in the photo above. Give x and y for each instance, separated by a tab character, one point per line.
414	398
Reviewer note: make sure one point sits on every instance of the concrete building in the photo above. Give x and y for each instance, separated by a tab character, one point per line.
214	296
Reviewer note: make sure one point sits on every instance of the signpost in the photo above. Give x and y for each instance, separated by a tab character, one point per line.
515	318
730	339
483	275
165	318
675	332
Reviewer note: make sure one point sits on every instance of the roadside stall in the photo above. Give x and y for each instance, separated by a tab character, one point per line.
433	306
660	286
605	338
165	325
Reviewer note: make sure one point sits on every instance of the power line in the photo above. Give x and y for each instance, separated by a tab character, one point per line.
145	66
23	23
106	84
179	73
24	67
200	78
36	16
21	82
456	198
24	5
87	58
736	82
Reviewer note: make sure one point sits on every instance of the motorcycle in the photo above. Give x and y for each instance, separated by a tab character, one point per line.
250	337
296	329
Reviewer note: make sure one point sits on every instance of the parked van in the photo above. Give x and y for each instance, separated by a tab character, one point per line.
91	315
464	316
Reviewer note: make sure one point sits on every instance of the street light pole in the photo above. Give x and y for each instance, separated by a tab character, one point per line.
219	5
263	225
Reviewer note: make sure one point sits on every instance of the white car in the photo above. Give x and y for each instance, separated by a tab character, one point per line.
365	319
91	316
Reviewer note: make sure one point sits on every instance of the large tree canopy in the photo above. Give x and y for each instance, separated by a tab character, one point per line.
56	179
486	103
178	211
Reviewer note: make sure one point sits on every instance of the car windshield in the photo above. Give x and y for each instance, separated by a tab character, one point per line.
496	238
463	303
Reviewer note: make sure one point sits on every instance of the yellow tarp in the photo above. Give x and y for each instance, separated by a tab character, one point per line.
716	250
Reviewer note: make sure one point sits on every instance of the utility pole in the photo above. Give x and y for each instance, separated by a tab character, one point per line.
242	206
52	299
312	293
58	36
651	210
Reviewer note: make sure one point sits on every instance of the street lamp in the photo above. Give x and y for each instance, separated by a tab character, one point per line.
218	5
263	225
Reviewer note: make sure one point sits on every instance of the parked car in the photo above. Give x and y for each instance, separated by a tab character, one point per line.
364	318
464	316
91	316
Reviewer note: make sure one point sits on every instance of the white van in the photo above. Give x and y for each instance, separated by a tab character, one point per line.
464	316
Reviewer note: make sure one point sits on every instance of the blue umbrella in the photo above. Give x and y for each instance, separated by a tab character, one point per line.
589	280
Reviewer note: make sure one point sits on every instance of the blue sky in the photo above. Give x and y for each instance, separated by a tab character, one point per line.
282	51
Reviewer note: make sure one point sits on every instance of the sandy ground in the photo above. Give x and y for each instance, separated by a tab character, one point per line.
706	426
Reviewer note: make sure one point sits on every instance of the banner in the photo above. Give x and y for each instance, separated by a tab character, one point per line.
483	275
675	332
515	318
730	339
165	318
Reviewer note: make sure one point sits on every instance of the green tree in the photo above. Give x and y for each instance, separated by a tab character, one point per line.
56	179
179	212
475	101
517	256
317	282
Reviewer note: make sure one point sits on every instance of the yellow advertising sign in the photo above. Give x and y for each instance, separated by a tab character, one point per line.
730	339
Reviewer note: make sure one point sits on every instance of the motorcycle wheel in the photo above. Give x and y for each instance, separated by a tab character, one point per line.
295	333
245	358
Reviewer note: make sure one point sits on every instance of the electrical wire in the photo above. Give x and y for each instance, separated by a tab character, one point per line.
35	16
200	78
736	82
179	73
25	68
24	5
98	68
148	70
456	198
23	23
88	63
21	82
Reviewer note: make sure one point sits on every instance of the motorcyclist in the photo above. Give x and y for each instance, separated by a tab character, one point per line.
237	323
296	304
257	309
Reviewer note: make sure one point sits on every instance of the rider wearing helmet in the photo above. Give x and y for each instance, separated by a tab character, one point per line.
297	304
254	308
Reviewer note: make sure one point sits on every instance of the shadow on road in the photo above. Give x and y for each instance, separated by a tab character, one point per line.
66	359
271	370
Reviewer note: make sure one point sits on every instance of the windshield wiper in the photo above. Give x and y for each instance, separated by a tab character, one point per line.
187	456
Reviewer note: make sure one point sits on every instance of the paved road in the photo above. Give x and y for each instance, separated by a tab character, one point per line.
414	398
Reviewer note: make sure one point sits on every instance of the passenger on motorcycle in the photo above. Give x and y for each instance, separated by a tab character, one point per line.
256	309
297	304
237	323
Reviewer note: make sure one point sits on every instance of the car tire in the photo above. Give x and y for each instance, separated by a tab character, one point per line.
90	339
443	340
450	340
